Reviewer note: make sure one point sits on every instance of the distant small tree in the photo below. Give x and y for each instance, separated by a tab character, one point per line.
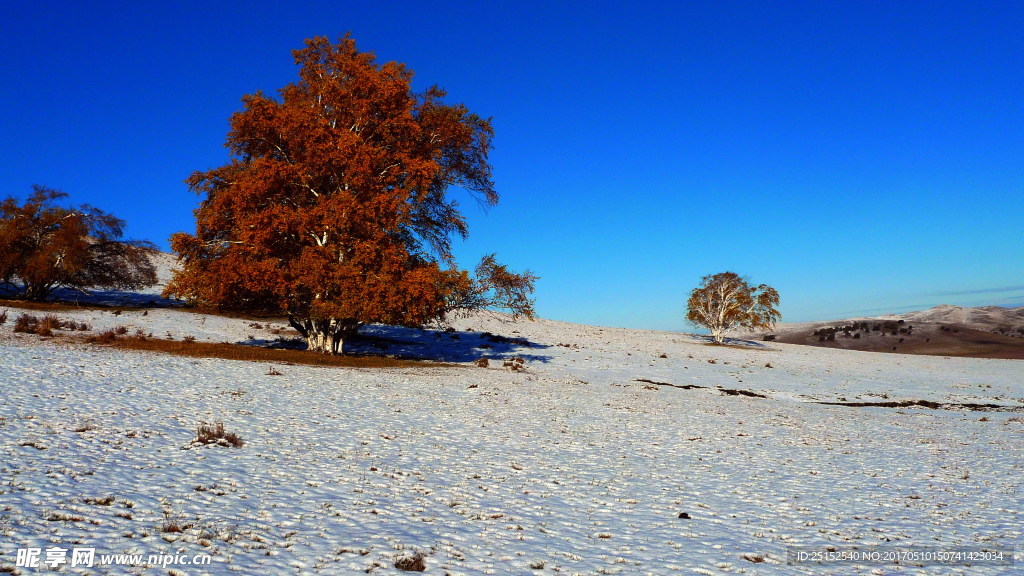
44	247
724	302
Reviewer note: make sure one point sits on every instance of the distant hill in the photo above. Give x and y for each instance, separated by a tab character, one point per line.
986	332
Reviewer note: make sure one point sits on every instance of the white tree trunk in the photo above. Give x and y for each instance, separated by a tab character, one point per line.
325	336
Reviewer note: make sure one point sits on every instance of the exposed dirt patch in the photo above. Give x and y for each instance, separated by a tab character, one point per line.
723	391
928	404
736	392
681	386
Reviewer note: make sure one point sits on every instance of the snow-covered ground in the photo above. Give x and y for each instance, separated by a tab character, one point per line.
581	464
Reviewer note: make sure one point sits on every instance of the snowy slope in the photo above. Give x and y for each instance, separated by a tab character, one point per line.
985	318
570	467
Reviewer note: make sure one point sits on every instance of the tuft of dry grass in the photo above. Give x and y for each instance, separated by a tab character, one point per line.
415	563
62	517
174	525
215	434
516	364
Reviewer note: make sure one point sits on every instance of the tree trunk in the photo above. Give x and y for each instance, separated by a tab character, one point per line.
36	292
326	336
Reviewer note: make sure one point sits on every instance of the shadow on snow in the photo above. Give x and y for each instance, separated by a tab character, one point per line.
425	344
102	298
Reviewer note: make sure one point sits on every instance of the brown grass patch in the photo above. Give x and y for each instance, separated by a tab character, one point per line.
255	354
29	324
117	309
62	517
64	306
414	563
175	525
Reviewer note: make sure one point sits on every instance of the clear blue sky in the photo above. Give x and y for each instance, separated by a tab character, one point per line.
861	157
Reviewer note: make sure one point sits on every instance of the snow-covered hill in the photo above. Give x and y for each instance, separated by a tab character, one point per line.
987	332
614	452
985	318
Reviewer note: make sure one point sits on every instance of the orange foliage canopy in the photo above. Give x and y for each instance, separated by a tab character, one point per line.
333	208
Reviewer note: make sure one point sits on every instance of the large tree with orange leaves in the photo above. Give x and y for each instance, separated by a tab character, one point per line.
334	207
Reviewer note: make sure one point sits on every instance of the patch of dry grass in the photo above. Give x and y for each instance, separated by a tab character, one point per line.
216	434
29	324
414	563
227	351
118	338
63	306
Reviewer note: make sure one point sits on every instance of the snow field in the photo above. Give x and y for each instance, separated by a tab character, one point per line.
571	467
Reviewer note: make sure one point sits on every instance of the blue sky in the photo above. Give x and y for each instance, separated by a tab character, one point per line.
861	157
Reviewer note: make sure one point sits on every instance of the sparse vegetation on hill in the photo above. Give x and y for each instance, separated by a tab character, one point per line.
987	334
